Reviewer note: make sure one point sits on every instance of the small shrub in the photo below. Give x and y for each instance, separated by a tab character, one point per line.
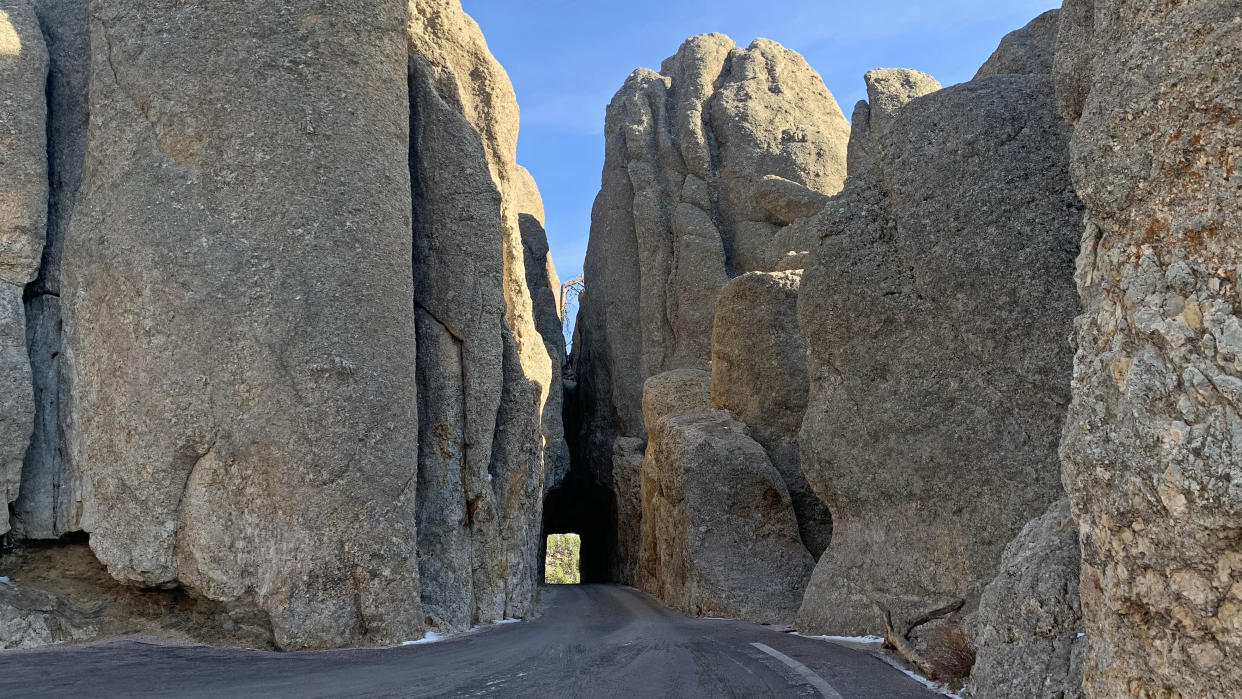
950	654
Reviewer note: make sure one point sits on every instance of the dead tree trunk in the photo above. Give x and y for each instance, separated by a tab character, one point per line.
897	637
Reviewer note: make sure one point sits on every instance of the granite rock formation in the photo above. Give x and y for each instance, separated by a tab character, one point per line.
1027	51
936	309
719	534
706	165
888	90
759	374
59	593
486	376
1151	446
23	220
1027	632
55	495
303	353
222	371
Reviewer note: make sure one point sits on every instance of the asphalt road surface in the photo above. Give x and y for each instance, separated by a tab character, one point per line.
590	641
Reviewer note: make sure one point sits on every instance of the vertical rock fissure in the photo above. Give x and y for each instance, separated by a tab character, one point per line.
51	502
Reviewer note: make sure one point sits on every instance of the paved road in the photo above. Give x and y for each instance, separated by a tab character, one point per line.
590	641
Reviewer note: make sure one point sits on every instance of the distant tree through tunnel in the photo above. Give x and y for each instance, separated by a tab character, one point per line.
562	560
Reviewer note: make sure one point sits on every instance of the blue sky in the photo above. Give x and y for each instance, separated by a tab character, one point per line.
568	57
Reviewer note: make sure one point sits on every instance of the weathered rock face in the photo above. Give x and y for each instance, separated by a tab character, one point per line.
458	269
1028	629
489	417
23	220
61	594
759	374
545	287
888	90
1151	446
936	310
706	163
55	495
719	533
1027	51
249	433
246	399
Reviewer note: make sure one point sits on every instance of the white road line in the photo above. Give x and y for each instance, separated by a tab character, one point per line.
816	681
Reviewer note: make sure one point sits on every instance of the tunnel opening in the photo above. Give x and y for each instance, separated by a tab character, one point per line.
561	561
584	502
588	512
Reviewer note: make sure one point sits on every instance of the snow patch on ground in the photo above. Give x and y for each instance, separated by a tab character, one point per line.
5	581
429	637
933	686
867	640
433	637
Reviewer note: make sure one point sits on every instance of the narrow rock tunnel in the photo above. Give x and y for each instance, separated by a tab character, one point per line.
584	505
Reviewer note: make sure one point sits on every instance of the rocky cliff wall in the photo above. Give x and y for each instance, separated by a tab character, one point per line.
301	366
1151	445
936	309
23	221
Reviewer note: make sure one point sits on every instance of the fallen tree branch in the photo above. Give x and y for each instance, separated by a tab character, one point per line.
897	637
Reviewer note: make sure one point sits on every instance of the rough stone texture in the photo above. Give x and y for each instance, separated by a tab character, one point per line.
55	495
23	225
61	594
238	312
936	312
705	164
759	374
719	533
1152	443
234	358
1027	51
1027	633
627	461
490	426
23	143
888	90
1073	64
545	289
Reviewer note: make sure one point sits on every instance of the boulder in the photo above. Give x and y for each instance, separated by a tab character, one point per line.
1153	437
759	374
936	309
720	537
1027	632
23	226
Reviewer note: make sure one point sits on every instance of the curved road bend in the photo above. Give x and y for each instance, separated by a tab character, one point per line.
591	641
